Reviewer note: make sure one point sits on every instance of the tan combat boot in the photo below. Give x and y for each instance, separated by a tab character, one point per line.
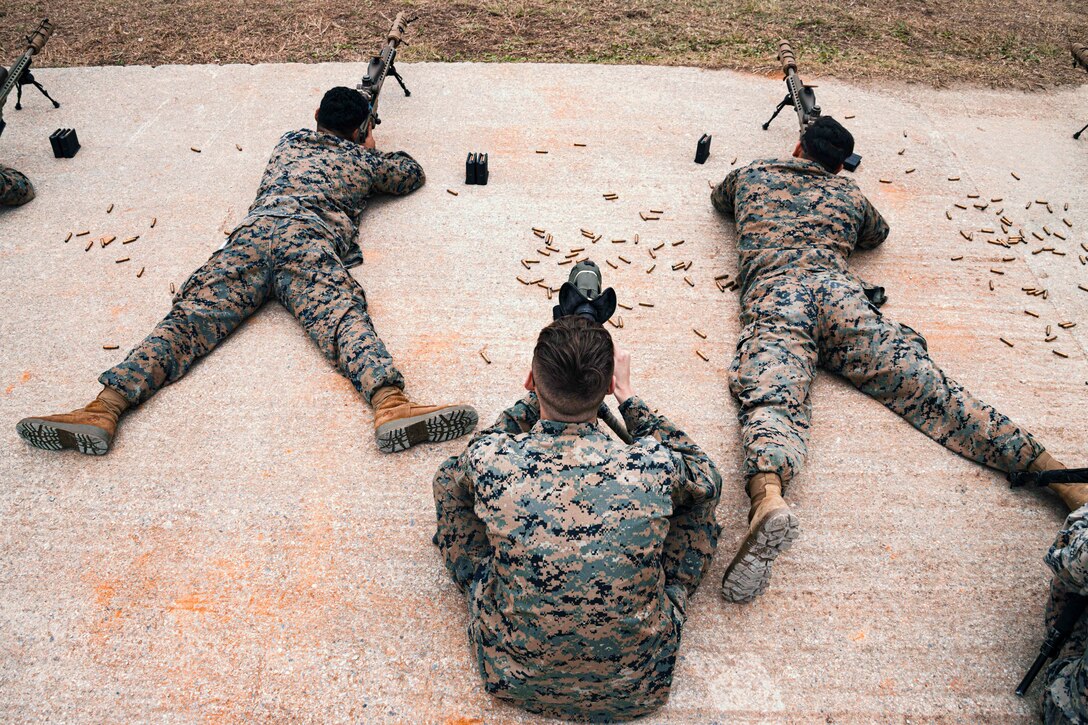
772	527
88	430
399	423
1073	495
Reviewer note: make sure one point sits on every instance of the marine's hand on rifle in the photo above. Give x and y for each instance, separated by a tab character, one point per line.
369	142
621	375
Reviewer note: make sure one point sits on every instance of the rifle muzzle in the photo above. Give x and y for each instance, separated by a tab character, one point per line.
400	27
38	38
1080	55
786	58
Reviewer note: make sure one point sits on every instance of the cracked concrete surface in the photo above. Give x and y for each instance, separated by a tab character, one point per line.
245	553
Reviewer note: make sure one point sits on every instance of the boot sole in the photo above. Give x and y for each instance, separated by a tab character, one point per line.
50	436
437	427
750	571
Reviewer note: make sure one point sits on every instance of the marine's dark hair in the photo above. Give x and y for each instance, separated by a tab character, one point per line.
342	110
827	142
573	366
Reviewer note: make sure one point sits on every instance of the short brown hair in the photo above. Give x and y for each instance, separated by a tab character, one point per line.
573	365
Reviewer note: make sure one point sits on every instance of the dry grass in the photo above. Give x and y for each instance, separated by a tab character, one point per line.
1005	43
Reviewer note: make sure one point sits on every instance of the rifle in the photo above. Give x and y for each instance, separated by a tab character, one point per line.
20	74
803	98
581	295
1080	57
382	65
1055	638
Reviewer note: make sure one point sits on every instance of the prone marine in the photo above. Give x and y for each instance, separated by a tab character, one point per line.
295	245
798	221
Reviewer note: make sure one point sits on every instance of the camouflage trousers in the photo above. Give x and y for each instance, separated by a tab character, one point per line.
282	258
793	323
15	188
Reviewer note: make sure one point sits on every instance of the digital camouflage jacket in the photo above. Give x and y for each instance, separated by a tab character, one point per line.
578	554
326	180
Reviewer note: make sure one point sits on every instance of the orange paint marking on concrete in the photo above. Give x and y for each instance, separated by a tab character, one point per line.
104	593
897	196
435	347
107	620
195	602
462	720
298	606
23	380
563	103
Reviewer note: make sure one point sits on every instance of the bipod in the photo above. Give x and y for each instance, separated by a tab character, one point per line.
785	102
27	78
393	72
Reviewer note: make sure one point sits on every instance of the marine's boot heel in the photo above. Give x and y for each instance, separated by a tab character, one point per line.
400	424
429	425
750	571
50	434
89	430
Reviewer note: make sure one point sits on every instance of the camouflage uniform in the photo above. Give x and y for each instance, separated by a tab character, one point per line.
578	555
15	188
802	307
295	245
1065	699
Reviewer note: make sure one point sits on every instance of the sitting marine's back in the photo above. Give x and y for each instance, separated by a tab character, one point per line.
578	553
573	608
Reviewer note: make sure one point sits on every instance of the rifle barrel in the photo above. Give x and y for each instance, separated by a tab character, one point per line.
41	34
786	58
1033	672
1056	637
400	26
605	413
35	42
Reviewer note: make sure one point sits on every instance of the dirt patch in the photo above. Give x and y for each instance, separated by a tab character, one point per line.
1003	43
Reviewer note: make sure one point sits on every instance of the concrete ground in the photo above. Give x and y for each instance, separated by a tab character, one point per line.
245	553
